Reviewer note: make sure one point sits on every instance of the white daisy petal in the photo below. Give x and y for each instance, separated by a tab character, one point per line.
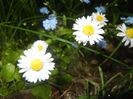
121	34
124	39
131	45
126	43
23	70
92	42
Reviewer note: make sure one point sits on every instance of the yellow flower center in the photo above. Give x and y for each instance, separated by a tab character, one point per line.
99	18
36	64
129	32
88	30
40	47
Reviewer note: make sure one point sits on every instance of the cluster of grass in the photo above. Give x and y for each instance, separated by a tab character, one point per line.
81	72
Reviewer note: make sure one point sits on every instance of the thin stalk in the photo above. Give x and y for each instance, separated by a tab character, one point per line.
68	42
102	80
116	75
114	51
111	58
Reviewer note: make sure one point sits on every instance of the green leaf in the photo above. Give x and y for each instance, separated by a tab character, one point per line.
11	56
64	31
64	20
42	91
67	78
55	71
87	97
64	79
83	97
3	91
8	71
17	76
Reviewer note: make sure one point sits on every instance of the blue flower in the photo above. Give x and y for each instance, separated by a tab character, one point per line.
85	1
44	10
50	23
100	9
129	20
102	44
123	18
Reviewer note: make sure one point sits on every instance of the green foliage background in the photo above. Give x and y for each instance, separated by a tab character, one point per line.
82	72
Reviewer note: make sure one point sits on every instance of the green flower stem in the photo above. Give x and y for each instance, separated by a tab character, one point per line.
113	77
102	80
101	72
114	51
66	41
111	58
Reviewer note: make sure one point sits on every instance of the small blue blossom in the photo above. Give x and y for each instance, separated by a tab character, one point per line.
102	44
129	20
50	23
85	1
123	18
100	9
44	10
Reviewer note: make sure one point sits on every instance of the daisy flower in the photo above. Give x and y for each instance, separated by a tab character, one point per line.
86	30
100	18
40	46
126	33
35	66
